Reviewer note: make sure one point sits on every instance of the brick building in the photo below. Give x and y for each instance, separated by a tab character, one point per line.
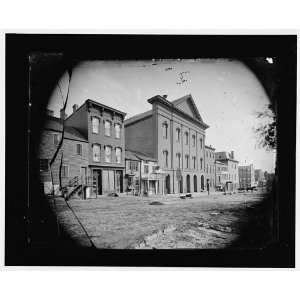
142	174
174	134
246	176
222	175
210	167
232	165
74	150
103	128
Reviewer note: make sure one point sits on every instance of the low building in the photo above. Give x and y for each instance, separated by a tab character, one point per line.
73	154
210	167
246	176
142	174
232	165
222	175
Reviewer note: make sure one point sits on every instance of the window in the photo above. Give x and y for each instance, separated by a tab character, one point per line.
118	155
117	131
194	162
201	145
186	138
165	154
206	168
154	168
201	163
79	149
210	154
178	135
107	125
133	165
96	152
187	161
107	154
178	157
194	140
146	169
206	153
165	130
44	165
56	139
64	171
95	124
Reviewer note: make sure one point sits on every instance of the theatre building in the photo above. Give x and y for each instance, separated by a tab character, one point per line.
173	133
103	128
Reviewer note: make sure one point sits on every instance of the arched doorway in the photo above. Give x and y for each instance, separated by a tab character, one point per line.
195	183
202	182
167	184
181	185
188	185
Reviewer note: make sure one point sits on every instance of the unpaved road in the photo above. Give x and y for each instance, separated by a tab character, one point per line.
215	221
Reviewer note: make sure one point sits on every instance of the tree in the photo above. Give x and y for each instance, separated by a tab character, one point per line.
59	146
266	130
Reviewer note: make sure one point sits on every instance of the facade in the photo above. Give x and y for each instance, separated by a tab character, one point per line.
232	166
246	176
210	167
74	153
222	175
174	134
259	177
142	174
103	128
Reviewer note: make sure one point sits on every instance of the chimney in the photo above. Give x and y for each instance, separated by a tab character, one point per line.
165	96
75	107
62	116
50	112
232	154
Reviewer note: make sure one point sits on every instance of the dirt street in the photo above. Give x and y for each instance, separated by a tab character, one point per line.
215	221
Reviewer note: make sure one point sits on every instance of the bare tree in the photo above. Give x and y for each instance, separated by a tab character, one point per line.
59	146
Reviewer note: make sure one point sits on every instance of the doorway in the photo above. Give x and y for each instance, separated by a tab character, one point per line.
119	181
97	174
195	183
167	184
188	184
202	182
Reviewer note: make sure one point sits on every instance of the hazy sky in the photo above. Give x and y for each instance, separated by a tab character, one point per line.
226	93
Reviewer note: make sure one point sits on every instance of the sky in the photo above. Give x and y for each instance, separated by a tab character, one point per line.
227	94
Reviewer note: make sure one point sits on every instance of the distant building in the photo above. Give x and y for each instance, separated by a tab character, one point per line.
142	174
246	176
222	175
210	168
73	153
259	175
103	127
232	165
172	132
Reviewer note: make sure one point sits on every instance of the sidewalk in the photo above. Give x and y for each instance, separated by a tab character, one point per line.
68	222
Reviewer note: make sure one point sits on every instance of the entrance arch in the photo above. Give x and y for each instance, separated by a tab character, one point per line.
167	184
195	183
202	182
188	184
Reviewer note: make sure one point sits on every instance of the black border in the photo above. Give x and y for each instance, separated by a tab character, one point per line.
90	46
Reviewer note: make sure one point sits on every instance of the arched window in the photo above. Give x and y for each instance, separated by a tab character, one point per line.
117	131
186	138
107	126
201	143
165	130
95	124
194	140
107	153
165	155
118	155
96	152
178	156
187	161
201	163
194	162
178	135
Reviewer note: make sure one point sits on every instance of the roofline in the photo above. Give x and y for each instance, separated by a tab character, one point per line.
209	147
170	104
66	138
222	159
106	107
138	119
